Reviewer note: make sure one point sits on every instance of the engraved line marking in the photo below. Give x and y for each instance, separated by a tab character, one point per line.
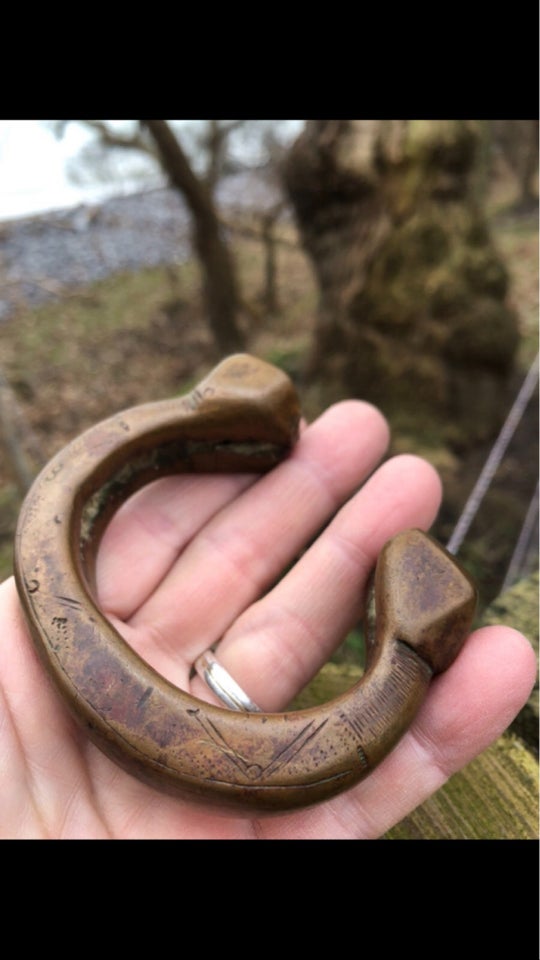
219	741
293	748
356	728
69	602
196	397
354	724
362	756
144	697
54	472
261	787
278	760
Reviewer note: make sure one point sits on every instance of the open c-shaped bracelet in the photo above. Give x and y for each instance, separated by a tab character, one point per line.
243	417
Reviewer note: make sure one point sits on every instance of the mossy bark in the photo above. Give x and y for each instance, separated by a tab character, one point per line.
518	608
413	309
496	796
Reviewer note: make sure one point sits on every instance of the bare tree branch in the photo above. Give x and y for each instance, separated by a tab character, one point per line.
112	138
214	142
219	277
108	137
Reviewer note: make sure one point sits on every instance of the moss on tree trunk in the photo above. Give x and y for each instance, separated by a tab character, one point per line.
413	311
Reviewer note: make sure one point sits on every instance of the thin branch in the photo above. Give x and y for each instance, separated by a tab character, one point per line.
256	233
111	138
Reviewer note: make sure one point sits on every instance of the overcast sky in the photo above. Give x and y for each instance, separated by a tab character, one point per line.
33	167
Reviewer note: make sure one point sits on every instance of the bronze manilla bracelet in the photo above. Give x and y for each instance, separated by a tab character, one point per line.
243	417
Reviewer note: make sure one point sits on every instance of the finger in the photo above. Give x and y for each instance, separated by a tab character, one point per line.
282	641
244	548
146	535
466	709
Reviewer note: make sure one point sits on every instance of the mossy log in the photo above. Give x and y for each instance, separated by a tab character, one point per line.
518	607
496	796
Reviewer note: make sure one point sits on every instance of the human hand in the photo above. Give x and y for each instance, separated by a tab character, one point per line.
183	564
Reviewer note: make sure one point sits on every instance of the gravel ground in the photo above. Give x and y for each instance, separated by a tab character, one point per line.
43	256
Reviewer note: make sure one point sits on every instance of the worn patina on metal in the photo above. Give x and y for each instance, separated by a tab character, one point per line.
243	416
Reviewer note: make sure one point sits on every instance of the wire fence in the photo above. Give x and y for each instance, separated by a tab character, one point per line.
487	474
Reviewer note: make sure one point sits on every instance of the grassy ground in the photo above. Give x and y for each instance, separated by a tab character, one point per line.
132	338
138	337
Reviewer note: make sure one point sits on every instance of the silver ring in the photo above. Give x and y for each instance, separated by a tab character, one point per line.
223	685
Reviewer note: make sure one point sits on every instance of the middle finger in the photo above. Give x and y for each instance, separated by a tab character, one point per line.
242	550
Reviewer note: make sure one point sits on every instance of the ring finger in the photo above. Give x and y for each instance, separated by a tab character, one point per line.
279	643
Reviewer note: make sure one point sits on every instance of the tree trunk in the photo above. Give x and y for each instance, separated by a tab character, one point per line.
270	291
518	142
219	281
412	311
529	174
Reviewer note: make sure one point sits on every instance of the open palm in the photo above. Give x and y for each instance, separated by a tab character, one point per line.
190	560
